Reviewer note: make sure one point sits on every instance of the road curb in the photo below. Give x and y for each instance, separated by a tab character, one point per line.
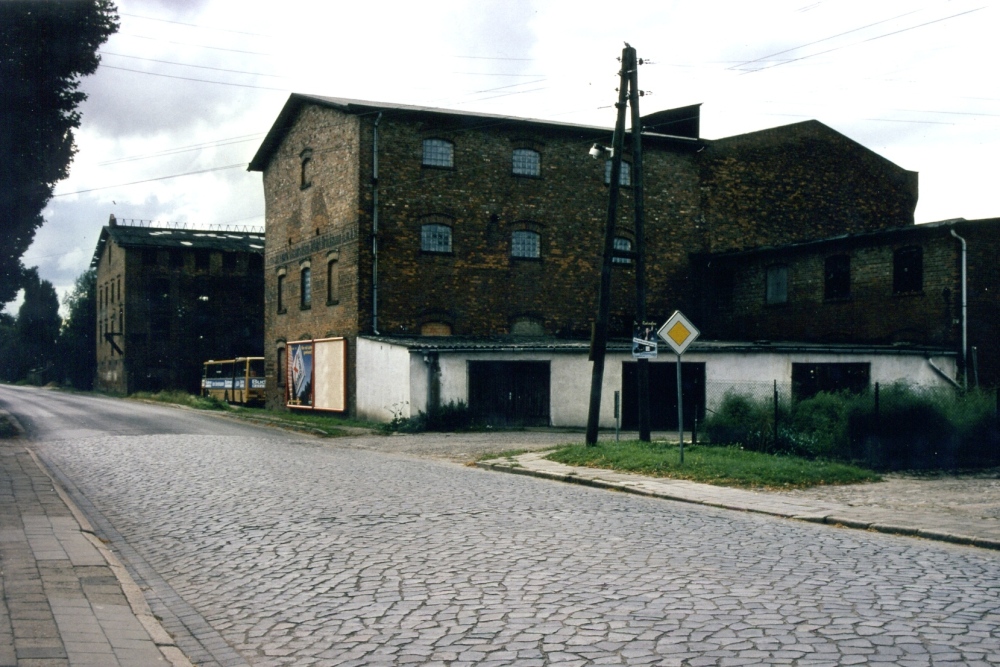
517	467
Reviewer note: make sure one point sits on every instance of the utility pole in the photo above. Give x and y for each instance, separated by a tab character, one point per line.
599	338
640	241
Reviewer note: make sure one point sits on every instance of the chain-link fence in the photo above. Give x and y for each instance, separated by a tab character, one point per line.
891	427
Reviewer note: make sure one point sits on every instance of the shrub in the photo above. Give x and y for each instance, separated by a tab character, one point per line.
743	421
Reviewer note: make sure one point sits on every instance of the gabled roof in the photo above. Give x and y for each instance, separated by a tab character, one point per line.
182	239
663	120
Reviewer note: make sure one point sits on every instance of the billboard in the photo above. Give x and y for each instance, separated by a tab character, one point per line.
317	374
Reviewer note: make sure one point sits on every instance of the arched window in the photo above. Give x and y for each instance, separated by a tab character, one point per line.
625	245
332	280
526	162
438	153
304	180
281	292
435	238
526	244
306	292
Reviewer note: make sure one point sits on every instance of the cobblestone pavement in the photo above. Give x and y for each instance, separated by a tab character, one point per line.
267	551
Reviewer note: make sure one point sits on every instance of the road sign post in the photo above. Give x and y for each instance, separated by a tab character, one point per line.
679	333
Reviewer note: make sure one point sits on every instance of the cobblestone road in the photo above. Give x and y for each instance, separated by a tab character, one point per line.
303	552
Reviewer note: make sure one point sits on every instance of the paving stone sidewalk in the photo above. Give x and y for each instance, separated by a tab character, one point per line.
980	531
65	600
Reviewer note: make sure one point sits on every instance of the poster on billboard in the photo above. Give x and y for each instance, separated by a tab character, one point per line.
644	340
330	378
300	374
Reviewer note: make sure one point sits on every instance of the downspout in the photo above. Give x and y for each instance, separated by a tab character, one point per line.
375	225
937	369
965	315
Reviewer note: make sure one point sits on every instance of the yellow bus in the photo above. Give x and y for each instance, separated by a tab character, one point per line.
239	380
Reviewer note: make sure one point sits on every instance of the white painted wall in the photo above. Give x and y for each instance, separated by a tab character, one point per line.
383	381
390	375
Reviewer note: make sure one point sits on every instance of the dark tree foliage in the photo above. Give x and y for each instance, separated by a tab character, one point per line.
45	47
37	325
8	347
77	346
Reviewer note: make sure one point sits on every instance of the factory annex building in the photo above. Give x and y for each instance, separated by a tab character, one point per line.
444	254
170	298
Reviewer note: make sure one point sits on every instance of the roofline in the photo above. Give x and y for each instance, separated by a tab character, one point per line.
863	236
289	112
102	240
482	345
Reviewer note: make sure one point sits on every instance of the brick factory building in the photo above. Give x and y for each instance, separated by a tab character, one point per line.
416	255
169	299
899	287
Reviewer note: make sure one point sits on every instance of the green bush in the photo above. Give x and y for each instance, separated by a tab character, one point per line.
453	416
908	428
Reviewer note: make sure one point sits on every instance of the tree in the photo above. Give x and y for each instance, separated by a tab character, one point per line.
45	47
77	346
37	325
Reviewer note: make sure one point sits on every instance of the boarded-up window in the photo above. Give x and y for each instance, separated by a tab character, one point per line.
777	284
435	329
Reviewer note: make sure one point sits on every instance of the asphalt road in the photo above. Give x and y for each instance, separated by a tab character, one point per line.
262	547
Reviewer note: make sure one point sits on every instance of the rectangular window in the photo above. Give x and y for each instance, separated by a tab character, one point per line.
149	257
908	270
777	284
202	260
306	293
177	259
435	238
527	162
438	153
525	244
624	179
837	277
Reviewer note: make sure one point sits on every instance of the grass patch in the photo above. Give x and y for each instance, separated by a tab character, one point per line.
182	398
721	466
318	424
7	429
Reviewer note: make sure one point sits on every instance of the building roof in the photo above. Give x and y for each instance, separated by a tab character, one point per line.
862	237
551	344
672	125
127	236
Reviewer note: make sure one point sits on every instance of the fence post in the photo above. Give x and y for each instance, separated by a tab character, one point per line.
694	427
877	427
776	415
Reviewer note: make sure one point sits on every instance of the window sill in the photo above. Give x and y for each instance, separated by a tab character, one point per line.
282	311
333	302
437	167
436	253
531	177
515	258
309	307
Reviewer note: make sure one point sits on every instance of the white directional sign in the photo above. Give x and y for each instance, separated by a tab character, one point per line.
678	332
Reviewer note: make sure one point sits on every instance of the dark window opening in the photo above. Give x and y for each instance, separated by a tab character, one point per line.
304	180
229	261
149	257
777	284
837	277
810	379
281	294
177	259
202	260
908	270
306	293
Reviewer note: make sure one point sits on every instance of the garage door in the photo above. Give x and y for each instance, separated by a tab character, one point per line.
510	392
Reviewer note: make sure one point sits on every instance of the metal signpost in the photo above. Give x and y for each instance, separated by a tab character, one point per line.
679	333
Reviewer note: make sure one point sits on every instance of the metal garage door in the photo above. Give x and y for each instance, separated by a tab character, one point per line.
510	392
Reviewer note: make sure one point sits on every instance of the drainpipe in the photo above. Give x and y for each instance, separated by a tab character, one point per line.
965	315
375	225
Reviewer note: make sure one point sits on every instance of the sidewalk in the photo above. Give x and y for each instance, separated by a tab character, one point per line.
65	600
959	529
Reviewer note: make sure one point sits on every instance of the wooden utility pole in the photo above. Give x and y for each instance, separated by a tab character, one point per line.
640	241
599	338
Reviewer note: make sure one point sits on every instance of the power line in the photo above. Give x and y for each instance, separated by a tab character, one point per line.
169	62
188	78
818	41
192	25
200	46
864	41
150	180
183	149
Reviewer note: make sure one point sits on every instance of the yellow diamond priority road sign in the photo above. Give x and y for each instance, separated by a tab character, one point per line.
678	332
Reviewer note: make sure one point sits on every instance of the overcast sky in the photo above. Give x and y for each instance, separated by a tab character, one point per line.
187	88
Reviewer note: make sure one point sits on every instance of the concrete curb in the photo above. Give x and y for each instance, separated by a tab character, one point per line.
133	593
525	464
